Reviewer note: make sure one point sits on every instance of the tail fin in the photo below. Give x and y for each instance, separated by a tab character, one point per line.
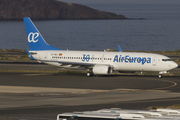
35	39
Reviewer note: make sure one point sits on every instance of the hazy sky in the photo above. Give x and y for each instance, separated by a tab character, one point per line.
124	1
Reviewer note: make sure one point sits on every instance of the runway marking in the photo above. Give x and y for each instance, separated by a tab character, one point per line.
36	74
174	84
22	89
44	91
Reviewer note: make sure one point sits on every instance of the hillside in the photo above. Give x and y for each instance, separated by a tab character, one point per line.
50	9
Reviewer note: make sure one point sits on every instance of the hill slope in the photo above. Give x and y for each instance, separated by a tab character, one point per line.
50	9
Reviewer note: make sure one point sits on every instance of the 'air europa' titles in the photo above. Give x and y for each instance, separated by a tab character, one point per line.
128	59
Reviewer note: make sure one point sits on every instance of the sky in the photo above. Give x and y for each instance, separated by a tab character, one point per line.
123	1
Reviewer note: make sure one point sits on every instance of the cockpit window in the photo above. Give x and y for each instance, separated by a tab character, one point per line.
166	60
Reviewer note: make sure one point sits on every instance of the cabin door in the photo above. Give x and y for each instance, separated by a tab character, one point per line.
103	59
154	61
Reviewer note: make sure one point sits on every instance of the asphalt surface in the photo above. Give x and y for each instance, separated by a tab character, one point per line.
32	96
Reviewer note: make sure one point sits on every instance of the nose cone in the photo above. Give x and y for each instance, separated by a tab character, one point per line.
174	65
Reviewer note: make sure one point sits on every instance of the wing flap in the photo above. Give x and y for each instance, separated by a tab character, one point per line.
70	64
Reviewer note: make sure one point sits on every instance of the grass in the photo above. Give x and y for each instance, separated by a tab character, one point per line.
177	61
12	50
177	106
13	57
168	53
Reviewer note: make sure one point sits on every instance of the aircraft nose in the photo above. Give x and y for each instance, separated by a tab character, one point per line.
174	65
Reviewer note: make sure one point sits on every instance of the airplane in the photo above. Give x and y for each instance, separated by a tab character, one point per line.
96	62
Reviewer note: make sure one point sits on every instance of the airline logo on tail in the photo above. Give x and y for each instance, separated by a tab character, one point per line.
32	37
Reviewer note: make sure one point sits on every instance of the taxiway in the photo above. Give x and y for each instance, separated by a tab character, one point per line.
31	96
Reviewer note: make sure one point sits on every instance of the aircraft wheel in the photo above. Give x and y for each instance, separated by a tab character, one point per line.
160	76
89	74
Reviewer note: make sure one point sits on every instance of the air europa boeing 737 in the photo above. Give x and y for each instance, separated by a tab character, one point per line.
96	63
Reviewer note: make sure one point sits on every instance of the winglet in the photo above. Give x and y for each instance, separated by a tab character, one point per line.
119	49
29	54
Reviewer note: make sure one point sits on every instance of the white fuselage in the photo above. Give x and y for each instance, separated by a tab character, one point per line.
120	61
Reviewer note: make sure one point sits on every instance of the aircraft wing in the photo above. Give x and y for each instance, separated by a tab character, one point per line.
73	64
70	64
76	64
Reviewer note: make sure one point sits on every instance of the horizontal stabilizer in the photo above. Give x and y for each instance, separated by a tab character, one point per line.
29	55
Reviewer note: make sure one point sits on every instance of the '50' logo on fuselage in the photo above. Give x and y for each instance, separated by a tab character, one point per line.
32	37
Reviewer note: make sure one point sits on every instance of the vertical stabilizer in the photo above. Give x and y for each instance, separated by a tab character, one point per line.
35	40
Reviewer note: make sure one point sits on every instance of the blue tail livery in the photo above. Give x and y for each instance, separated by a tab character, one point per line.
35	40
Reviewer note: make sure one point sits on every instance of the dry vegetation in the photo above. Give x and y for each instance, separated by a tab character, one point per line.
9	57
13	54
177	106
168	53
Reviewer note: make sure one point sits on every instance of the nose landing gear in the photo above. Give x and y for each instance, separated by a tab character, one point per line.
162	72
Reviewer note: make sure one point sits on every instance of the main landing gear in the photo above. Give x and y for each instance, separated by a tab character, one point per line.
89	73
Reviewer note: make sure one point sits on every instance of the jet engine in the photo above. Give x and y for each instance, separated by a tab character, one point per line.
102	70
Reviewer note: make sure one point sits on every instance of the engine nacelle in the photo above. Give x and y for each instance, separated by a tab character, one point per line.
102	70
163	72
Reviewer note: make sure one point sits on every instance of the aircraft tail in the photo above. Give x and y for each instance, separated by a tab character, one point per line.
29	54
35	40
